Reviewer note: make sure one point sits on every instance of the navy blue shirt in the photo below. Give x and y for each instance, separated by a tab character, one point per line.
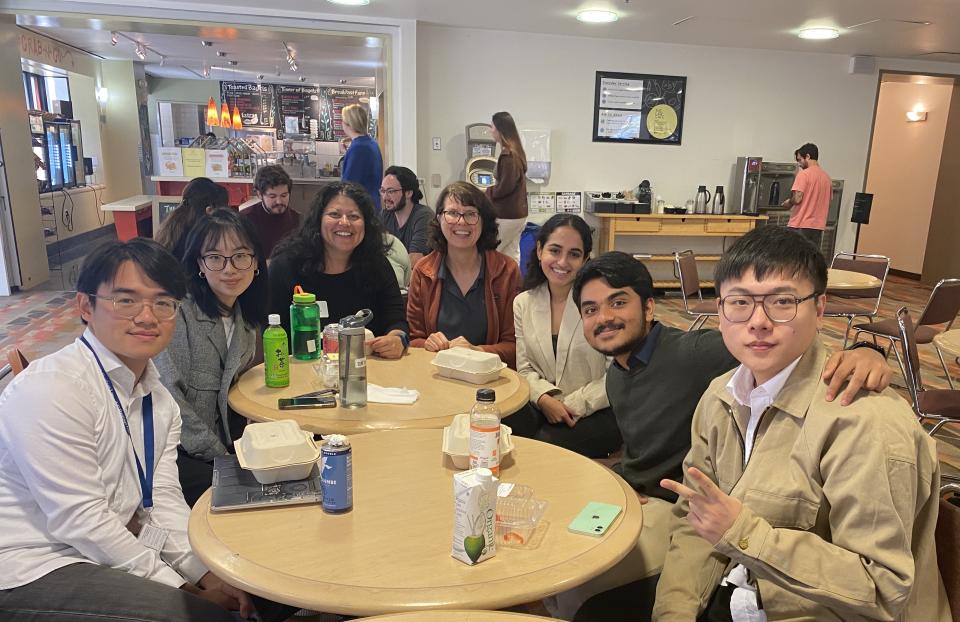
362	164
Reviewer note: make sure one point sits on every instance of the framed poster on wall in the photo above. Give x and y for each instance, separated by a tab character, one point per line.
638	108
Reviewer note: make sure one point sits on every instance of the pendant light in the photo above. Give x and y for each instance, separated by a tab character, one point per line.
213	120
225	119
237	121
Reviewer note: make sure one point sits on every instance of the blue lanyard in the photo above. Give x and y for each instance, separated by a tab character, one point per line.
146	479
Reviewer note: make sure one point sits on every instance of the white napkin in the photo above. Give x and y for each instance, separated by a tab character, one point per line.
391	395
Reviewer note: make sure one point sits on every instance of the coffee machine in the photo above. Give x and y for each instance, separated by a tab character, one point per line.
759	186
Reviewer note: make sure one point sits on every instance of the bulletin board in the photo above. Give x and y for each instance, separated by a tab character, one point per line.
638	108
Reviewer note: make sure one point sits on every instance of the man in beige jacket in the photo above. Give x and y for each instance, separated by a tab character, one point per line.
793	508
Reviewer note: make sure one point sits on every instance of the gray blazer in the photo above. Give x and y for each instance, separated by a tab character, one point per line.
577	374
198	369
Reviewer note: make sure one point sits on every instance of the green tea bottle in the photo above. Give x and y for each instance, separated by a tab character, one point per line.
276	353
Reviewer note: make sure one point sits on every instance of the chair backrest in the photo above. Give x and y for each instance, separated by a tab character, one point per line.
943	305
911	358
877	266
947	536
18	362
686	263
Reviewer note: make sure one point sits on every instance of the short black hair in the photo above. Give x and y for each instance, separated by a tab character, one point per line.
469	196
157	263
772	250
210	229
271	176
807	150
408	180
534	275
619	270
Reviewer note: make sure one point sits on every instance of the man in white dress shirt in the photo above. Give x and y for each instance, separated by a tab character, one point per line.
94	524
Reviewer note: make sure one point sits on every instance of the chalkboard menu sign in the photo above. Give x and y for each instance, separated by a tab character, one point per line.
338	98
638	108
255	102
299	109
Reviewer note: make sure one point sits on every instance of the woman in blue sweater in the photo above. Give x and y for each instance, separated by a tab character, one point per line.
362	164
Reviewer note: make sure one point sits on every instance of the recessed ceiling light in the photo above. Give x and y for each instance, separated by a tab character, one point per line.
206	44
597	16
819	32
350	2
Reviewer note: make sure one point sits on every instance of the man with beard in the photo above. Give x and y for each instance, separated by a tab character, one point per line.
403	215
272	216
656	379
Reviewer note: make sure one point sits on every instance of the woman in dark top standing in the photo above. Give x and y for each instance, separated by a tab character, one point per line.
509	194
338	254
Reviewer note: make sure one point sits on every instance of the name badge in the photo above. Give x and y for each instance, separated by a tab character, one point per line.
152	537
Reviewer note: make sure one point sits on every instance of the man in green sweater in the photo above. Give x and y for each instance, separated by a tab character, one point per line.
656	379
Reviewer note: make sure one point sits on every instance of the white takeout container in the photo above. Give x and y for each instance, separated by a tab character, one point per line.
277	451
456	441
468	365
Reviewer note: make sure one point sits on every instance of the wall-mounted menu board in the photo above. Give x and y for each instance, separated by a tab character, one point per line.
638	108
255	102
299	108
338	98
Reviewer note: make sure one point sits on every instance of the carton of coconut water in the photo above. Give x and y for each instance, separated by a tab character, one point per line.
474	516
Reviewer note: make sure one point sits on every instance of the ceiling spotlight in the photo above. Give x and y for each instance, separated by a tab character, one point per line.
350	2
342	81
293	66
302	78
597	16
221	53
259	76
141	52
163	60
232	63
819	33
114	38
206	44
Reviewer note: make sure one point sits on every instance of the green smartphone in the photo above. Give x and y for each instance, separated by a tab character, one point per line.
595	518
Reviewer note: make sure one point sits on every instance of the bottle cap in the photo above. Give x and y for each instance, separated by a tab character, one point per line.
273	319
486	395
484	475
304	298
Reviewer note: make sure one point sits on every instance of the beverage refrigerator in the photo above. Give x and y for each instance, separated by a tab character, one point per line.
59	146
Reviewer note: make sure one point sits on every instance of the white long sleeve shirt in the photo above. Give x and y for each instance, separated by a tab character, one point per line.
68	476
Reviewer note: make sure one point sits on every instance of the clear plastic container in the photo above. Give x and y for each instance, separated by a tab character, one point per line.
518	514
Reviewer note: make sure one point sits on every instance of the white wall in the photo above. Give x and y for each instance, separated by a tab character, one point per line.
739	102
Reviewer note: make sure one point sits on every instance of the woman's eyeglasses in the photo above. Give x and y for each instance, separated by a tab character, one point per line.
215	262
453	217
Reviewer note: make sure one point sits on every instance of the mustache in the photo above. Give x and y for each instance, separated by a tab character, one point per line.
608	325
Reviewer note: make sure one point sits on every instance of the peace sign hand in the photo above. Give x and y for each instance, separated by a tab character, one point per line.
712	512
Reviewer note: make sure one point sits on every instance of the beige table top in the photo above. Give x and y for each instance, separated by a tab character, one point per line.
845	279
391	553
440	398
949	341
130	204
457	616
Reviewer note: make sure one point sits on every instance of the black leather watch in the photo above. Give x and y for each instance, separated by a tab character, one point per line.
872	346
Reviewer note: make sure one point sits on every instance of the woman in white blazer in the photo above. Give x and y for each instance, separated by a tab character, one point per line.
568	399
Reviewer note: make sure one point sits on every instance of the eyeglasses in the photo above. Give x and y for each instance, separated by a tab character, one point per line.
163	307
337	216
215	262
453	217
780	308
389	191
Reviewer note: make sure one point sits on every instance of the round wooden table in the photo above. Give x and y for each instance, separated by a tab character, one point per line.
845	279
440	398
949	342
457	616
391	553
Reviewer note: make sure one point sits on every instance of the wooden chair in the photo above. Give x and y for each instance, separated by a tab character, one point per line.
693	302
854	303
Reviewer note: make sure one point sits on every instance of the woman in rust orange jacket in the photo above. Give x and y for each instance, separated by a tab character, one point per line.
462	293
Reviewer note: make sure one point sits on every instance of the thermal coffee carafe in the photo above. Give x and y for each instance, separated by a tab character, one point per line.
774	194
719	202
701	204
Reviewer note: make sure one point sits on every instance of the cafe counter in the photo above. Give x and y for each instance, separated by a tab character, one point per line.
240	189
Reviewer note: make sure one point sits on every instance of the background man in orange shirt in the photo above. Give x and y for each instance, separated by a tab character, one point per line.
810	194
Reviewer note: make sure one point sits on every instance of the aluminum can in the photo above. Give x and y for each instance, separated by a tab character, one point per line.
336	474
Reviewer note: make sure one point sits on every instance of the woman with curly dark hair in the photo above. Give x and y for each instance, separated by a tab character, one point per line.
462	293
338	254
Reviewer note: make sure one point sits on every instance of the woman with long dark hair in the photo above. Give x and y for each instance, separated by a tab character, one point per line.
201	196
509	194
568	398
462	293
338	254
215	340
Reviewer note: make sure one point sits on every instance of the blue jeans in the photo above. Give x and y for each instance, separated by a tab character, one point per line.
87	592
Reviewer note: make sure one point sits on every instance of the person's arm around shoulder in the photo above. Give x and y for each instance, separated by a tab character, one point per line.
692	569
861	367
55	452
175	365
